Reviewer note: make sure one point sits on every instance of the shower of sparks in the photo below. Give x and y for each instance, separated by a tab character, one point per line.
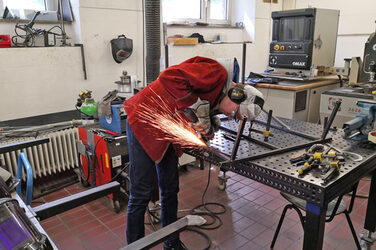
175	128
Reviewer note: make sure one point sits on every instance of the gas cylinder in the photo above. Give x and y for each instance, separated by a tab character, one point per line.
89	111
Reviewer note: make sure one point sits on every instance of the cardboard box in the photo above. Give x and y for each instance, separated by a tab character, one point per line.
182	40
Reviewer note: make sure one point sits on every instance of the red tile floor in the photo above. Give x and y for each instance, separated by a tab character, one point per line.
253	211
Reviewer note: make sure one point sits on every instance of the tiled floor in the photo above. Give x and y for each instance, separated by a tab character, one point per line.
253	211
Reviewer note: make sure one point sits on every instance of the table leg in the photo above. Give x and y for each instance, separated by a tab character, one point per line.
370	222
314	227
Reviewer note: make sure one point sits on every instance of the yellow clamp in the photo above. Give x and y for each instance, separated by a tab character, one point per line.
300	171
266	133
318	156
333	164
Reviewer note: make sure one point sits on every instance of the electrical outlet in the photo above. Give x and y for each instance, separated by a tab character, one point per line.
51	39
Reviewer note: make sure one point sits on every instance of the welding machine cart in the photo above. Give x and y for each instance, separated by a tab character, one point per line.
103	158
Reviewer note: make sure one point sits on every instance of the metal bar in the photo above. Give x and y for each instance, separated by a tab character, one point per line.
259	132
64	35
277	120
275	152
219	154
370	222
166	56
325	122
247	137
238	138
243	63
83	59
24	144
290	131
331	119
268	122
22	161
314	227
159	236
56	207
281	123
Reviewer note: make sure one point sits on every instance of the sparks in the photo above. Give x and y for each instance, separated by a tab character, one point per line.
175	128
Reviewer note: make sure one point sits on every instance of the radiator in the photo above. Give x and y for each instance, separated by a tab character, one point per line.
57	156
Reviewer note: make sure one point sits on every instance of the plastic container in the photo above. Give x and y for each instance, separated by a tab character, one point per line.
5	41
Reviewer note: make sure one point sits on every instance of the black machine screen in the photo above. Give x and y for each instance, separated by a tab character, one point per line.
292	29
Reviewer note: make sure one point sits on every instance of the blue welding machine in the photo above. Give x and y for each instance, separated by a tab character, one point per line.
115	122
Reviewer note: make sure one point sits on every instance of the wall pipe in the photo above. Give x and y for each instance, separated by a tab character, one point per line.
153	39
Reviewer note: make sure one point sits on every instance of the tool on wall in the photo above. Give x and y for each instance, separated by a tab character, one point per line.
35	36
122	48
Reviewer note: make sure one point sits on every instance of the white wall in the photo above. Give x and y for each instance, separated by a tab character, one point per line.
48	80
256	16
37	81
356	23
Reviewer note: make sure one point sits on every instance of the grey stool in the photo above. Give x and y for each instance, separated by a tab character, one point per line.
335	207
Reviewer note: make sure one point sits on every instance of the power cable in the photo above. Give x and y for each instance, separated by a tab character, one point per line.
196	211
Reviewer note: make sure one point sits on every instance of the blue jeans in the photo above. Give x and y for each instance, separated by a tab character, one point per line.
143	172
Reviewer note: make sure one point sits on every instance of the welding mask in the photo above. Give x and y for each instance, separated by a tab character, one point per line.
250	100
122	48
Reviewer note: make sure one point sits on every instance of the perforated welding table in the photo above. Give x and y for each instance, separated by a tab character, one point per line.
276	170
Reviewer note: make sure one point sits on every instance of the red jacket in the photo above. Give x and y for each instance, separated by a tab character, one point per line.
179	87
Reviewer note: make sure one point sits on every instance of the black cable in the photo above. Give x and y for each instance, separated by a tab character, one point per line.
203	235
150	220
82	169
210	213
31	36
95	150
122	170
95	159
56	26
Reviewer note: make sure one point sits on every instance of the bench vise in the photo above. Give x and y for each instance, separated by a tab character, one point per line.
363	123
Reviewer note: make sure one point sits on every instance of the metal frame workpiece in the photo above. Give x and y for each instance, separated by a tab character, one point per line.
277	171
272	167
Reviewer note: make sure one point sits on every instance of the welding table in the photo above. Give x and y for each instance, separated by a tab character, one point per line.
276	171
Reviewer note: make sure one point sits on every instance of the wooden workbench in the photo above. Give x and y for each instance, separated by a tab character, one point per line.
297	100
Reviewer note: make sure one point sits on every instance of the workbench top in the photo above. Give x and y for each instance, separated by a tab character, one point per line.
292	85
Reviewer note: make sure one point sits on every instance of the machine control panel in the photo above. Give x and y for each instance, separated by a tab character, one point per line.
293	55
292	47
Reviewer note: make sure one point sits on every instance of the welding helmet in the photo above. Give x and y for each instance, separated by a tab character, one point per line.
122	48
249	99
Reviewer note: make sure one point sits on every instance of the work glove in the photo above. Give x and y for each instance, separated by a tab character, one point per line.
199	114
252	106
215	122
